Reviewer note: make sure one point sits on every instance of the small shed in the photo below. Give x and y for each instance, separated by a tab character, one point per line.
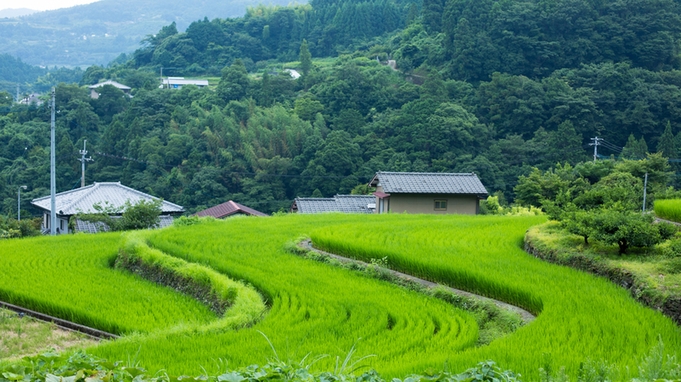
351	204
228	209
428	192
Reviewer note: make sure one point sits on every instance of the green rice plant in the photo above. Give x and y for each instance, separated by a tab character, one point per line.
244	303
318	309
580	316
314	308
669	209
71	277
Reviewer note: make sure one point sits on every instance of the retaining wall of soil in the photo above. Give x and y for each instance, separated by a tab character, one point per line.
668	305
168	277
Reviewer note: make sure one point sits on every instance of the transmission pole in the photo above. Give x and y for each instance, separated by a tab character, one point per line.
595	142
82	161
18	93
53	175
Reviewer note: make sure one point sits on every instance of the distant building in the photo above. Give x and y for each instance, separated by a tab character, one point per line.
31	99
228	209
293	73
179	82
82	200
94	93
428	192
353	204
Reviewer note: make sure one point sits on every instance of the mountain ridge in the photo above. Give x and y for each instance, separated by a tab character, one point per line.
97	33
16	12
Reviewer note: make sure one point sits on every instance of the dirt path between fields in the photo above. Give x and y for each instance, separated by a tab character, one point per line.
526	316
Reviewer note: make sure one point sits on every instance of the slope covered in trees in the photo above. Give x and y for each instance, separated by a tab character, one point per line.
99	32
537	80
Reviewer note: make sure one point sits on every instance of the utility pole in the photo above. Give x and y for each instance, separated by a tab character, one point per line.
53	175
18	94
645	188
19	202
167	67
595	142
82	161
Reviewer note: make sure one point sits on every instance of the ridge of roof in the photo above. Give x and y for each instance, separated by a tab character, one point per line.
427	173
429	182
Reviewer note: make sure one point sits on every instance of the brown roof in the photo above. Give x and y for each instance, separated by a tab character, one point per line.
227	209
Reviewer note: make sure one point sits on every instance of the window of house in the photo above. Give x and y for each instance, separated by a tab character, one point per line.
440	205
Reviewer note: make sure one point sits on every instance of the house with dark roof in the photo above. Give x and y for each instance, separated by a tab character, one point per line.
94	92
428	192
105	194
228	209
352	204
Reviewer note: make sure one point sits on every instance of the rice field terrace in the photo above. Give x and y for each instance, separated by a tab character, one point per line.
71	277
669	209
318	309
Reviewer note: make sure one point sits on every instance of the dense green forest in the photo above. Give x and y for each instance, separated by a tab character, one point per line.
493	87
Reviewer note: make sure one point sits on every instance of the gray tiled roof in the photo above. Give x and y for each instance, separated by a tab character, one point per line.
339	203
429	183
95	227
83	199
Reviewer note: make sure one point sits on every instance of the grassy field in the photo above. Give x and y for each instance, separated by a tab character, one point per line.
318	309
669	209
25	336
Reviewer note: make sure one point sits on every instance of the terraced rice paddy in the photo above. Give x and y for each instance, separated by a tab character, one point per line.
319	309
669	209
580	316
70	277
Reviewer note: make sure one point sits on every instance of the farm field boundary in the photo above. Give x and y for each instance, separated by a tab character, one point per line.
542	249
238	304
64	324
525	316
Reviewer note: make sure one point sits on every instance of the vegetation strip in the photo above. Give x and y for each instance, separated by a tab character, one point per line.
668	305
64	324
526	316
238	304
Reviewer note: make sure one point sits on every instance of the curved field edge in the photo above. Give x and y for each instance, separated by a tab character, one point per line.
240	305
584	317
541	242
493	320
314	309
71	277
669	209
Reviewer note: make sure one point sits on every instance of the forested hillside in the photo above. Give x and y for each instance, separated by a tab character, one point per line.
99	32
494	87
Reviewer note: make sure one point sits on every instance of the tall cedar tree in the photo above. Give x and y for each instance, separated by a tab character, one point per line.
667	143
305	58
